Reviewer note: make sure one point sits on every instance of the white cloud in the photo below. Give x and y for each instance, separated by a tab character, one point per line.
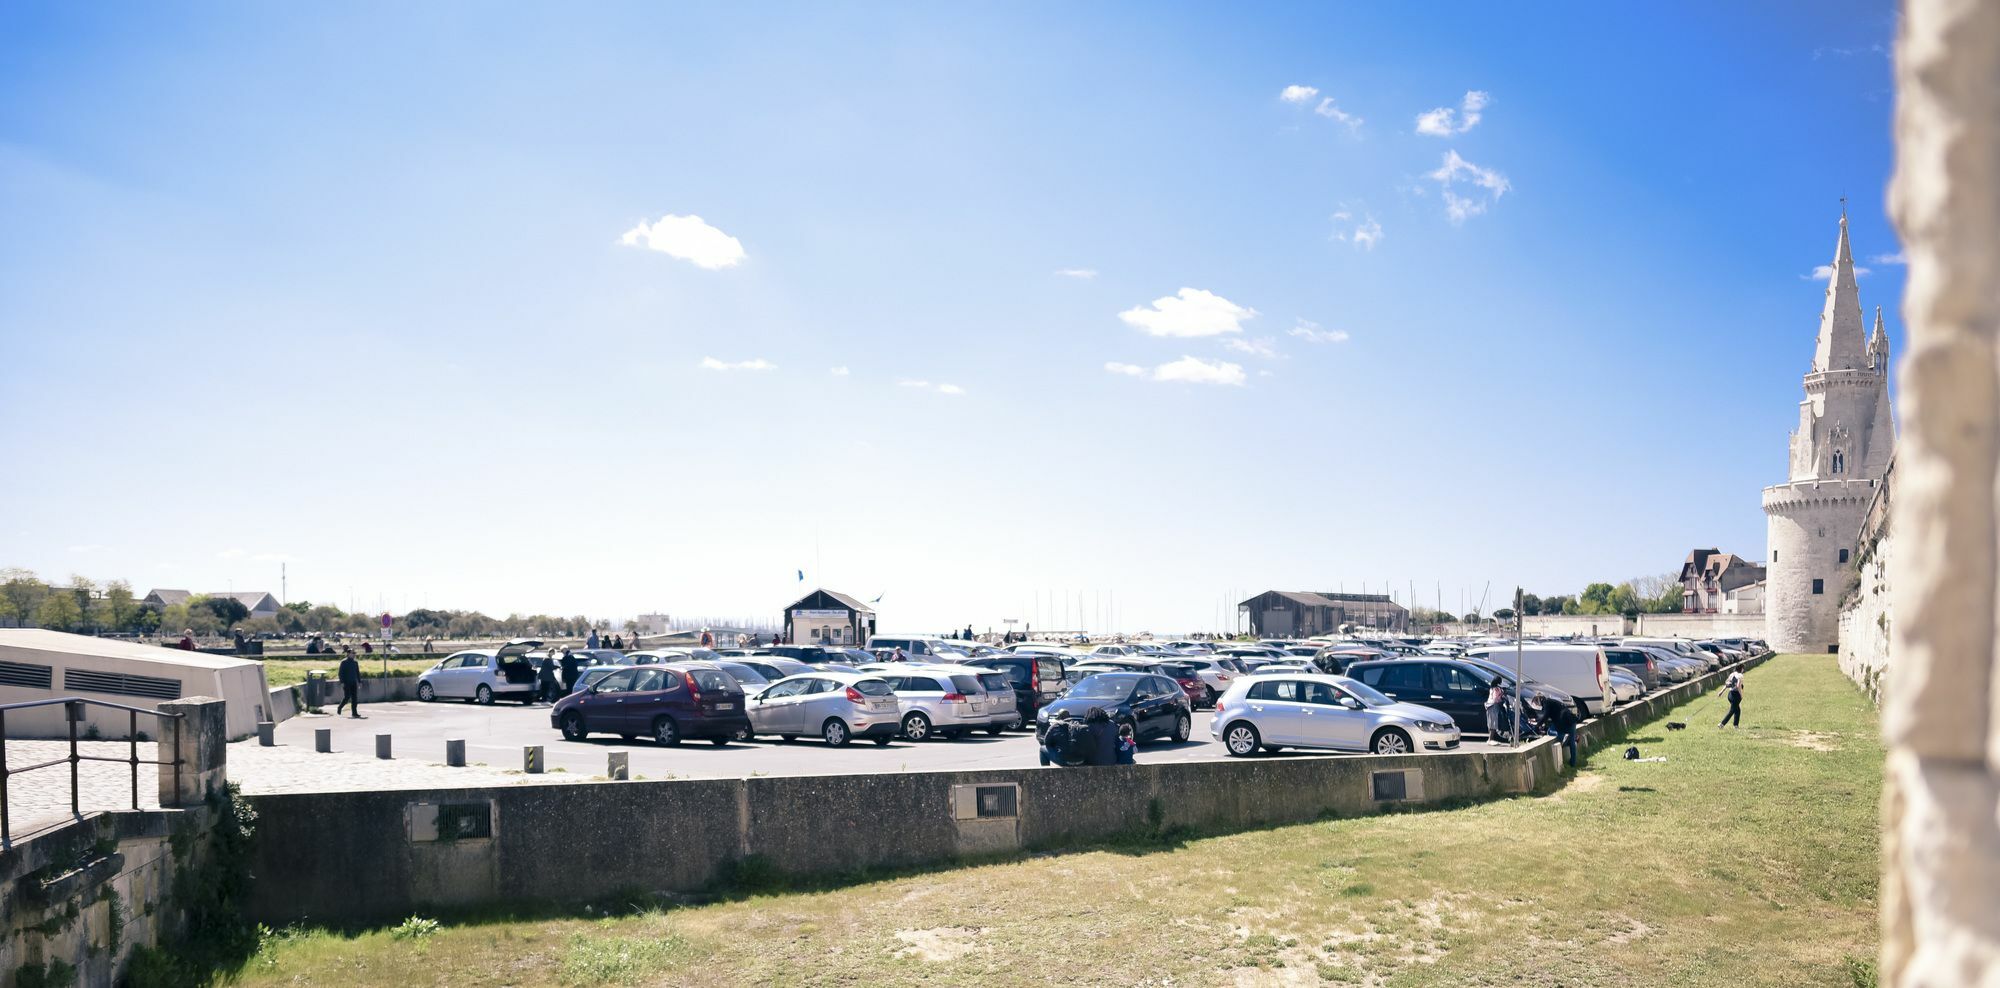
840	371
1195	370
1189	312
1298	94
943	389
753	364
1364	234
1084	274
1192	370
1877	48
1445	121
1310	332
1457	169
688	238
1824	272
1898	257
950	389
1328	109
1260	347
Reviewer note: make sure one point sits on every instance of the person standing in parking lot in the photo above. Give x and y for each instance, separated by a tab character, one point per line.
1494	696
591	642
1734	684
546	684
350	684
1103	738
569	669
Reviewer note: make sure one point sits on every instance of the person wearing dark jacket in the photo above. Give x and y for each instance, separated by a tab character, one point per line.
569	670
1103	738
1562	723
350	684
546	684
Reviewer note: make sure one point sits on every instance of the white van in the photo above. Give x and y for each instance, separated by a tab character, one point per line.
1578	670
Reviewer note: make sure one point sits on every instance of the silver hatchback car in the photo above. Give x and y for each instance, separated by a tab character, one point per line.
837	706
1292	710
949	700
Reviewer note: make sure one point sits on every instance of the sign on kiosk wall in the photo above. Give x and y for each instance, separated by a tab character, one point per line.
806	614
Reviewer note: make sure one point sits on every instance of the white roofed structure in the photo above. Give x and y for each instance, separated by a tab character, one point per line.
36	664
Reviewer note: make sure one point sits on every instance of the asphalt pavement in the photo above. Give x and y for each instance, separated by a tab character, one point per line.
495	735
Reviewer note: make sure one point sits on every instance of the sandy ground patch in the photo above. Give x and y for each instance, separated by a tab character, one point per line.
944	943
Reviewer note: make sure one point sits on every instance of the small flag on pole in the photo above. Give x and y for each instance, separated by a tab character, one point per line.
802	576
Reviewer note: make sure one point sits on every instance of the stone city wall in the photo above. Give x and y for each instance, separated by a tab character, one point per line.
374	856
1866	602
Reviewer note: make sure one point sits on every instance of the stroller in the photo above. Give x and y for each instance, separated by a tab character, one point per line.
1531	717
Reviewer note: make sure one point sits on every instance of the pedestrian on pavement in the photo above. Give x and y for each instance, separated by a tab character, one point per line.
1734	684
242	643
569	669
368	647
1494	696
1562	724
591	642
1128	746
546	684
350	684
1103	738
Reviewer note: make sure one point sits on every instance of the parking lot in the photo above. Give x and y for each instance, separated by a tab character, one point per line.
494	735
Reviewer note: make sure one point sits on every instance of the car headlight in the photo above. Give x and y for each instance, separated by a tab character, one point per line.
1435	727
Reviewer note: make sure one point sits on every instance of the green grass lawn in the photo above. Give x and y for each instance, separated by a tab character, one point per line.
1747	858
291	672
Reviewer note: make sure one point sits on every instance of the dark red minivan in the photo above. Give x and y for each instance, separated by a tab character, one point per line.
665	702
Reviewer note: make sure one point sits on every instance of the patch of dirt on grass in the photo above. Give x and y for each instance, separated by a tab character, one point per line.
1634	930
1585	782
944	943
1813	741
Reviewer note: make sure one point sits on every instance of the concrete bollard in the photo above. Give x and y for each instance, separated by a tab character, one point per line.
382	745
323	739
618	766
531	759
267	734
454	752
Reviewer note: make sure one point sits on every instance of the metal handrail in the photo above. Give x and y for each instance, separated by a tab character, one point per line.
74	708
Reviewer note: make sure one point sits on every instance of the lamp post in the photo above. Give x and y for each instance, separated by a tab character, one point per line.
1517	667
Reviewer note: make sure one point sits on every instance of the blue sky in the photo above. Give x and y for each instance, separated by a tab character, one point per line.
345	286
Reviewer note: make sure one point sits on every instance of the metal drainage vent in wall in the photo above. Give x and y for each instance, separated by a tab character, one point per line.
449	821
992	801
1401	785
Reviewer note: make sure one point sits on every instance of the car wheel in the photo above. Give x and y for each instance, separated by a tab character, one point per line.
834	731
1209	697
1390	741
572	726
1582	712
1019	723
1240	739
665	731
484	697
425	693
743	734
917	727
1183	726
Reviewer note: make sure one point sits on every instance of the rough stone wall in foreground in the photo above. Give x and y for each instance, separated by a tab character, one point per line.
1941	713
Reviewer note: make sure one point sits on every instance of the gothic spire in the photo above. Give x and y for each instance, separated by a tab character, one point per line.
1878	345
1841	345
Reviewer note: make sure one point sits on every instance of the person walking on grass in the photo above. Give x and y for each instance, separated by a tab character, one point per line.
1734	686
350	684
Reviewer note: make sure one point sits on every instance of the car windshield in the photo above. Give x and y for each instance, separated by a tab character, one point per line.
1366	694
744	674
1101	688
872	687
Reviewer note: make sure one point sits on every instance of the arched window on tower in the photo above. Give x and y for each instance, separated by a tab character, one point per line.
1839	461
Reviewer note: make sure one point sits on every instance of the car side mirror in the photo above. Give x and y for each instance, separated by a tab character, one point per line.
1350	703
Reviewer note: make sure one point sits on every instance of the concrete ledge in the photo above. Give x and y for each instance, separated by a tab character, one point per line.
465	847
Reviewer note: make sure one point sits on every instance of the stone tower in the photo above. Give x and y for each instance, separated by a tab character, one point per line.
1839	453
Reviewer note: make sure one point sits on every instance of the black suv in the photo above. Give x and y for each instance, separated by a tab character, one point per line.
1037	679
1454	686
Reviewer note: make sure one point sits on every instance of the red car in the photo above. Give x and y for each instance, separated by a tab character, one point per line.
1196	692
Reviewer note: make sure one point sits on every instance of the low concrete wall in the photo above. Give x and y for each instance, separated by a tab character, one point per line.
1700	625
366	856
287	701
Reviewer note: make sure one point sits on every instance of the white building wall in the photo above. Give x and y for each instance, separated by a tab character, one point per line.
1808	524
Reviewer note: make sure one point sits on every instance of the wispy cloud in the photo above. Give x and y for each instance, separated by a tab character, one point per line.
1364	233
753	364
1877	48
1890	260
1445	121
943	389
1084	274
1298	94
1311	332
1824	272
1329	109
1188	370
1262	346
840	371
1456	169
688	238
1188	312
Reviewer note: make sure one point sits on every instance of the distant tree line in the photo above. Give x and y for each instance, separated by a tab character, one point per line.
1640	595
84	606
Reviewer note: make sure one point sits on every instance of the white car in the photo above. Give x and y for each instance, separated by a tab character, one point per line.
482	675
1307	710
